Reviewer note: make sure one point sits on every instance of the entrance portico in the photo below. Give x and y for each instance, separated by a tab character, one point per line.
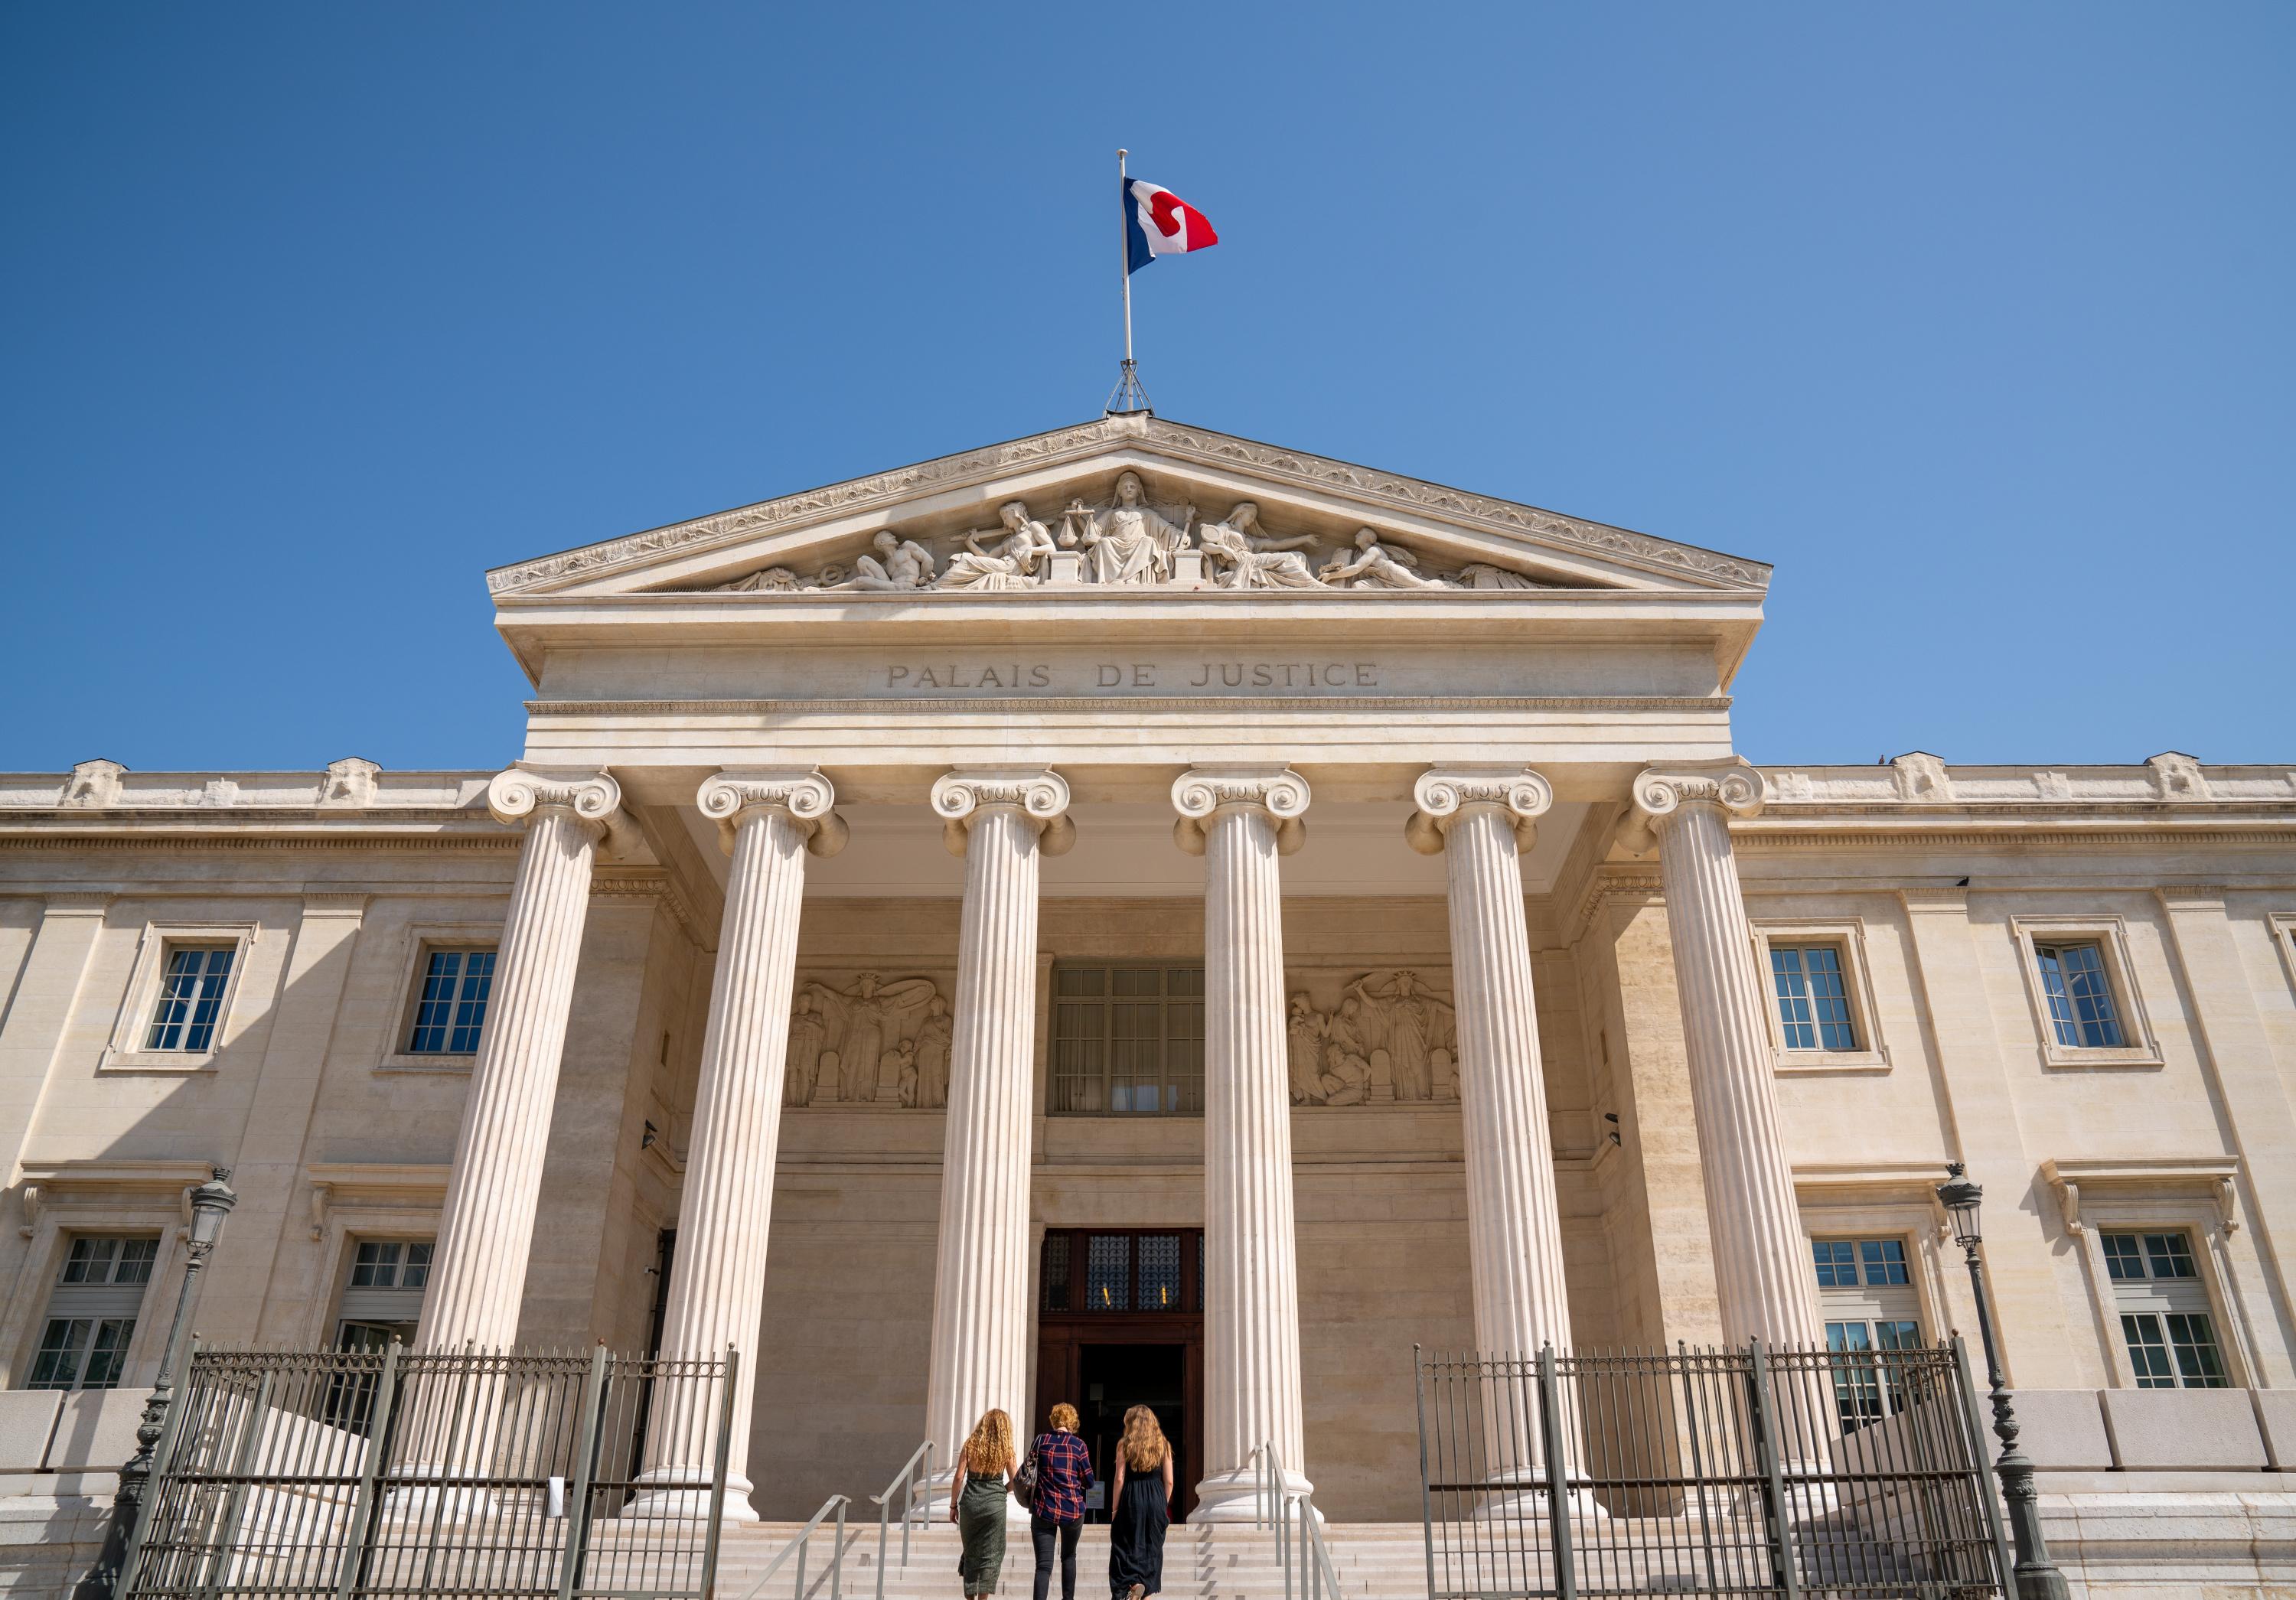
1466	704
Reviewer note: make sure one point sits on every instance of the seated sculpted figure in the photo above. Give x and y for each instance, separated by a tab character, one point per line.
899	564
1376	566
1010	565
1131	542
1255	562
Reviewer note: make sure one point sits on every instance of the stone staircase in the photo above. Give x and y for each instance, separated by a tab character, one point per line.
1373	1560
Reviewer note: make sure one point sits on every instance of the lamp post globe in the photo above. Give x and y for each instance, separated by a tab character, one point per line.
2036	1576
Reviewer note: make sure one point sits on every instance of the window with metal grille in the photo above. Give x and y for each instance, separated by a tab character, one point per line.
2166	1321
192	985
92	1312
1812	1004
2080	993
1102	1272
1866	1297
452	1008
1128	1041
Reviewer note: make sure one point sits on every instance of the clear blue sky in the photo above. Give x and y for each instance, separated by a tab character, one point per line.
1976	320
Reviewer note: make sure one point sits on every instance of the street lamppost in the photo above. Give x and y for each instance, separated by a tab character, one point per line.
2037	1576
211	1202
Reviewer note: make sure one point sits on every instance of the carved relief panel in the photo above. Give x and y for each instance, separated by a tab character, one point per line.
866	1038
1378	1037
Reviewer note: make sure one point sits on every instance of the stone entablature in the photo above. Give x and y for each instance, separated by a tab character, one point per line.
349	784
1921	779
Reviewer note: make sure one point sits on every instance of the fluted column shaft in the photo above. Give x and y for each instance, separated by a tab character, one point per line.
486	1230
1251	1289
981	1313
1761	1255
717	1277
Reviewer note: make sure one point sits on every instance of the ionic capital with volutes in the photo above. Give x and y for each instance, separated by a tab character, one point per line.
1038	793
591	797
1277	792
1445	793
800	794
1661	794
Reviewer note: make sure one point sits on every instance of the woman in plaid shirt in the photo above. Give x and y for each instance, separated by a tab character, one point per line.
1064	1475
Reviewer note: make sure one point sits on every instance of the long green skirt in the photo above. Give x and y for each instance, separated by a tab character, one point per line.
981	1521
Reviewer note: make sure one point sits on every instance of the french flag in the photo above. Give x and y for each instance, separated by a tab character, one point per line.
1158	222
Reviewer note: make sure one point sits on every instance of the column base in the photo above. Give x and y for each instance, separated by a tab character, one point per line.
1243	1496
683	1494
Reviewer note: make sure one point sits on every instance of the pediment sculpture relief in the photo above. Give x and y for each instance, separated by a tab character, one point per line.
1130	539
1391	1038
870	1043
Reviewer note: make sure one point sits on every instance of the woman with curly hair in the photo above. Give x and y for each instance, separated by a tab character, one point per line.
1143	1501
976	1501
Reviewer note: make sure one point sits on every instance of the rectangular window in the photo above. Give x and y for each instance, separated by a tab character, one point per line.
2079	995
2165	1319
1128	1041
1867	1297
382	1297
452	1008
1813	1002
192	988
1105	1272
92	1312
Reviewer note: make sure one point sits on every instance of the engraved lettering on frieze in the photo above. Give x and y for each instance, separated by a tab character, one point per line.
1296	676
1389	1036
870	1043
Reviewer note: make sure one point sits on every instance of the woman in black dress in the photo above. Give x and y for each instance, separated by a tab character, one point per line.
1143	1501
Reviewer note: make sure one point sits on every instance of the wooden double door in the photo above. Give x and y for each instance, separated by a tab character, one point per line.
1121	1323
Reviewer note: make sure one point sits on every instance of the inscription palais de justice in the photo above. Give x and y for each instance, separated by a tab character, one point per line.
1083	676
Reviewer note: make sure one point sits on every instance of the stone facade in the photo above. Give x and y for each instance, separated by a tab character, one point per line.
820	798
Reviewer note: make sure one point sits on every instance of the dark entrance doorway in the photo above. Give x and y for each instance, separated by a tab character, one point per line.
1121	1324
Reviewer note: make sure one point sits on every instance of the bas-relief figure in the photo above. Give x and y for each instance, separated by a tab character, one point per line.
1129	541
867	1044
1391	1037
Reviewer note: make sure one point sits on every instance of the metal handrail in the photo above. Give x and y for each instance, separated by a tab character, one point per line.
796	1547
906	1481
1318	1579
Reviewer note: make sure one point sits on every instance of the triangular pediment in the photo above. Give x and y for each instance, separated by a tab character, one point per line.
942	526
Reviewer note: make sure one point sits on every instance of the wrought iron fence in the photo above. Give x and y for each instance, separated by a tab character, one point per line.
365	1475
1773	1471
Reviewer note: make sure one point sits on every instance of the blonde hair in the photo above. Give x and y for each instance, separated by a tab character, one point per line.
1145	1446
988	1450
1064	1415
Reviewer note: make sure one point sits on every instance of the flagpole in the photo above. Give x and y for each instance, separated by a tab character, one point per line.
1124	253
1127	395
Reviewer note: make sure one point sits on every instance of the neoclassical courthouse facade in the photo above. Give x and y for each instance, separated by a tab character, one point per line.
1136	914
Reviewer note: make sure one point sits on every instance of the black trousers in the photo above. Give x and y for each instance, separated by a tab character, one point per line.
1040	1534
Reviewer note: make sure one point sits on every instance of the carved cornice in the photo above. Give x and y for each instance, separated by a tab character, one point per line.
514	795
1659	794
1199	446
1442	793
1039	793
2215	1178
738	795
655	886
1611	888
147	1185
397	1185
1202	791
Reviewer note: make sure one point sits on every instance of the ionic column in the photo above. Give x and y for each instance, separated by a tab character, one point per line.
1761	1256
478	1274
1479	818
1240	819
768	822
1000	822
